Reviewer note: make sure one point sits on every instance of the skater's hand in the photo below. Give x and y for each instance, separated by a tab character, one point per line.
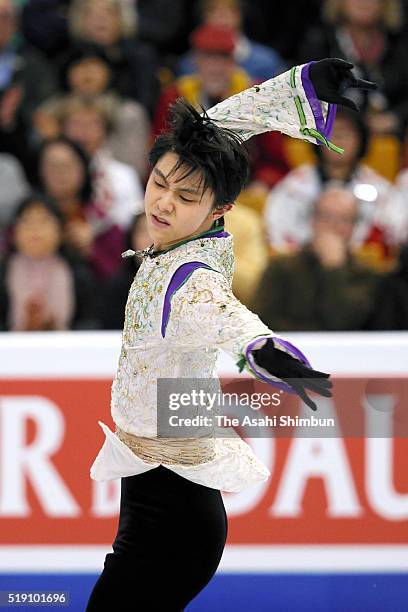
331	77
293	372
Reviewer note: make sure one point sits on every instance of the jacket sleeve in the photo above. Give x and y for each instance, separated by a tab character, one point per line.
206	314
287	103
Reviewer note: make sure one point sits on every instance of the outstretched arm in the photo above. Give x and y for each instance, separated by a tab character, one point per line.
205	313
301	103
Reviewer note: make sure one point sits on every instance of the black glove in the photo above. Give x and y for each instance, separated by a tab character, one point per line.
290	370
331	77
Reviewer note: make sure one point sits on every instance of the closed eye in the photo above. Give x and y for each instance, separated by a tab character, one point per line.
161	186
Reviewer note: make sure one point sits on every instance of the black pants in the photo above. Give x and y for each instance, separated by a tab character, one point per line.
169	543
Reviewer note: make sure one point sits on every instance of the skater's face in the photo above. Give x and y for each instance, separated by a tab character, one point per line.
177	208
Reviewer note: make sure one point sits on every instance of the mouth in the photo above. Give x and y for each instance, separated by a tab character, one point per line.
159	222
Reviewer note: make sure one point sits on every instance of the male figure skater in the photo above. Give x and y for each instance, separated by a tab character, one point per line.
180	312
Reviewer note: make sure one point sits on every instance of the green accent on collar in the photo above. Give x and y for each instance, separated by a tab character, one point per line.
214	230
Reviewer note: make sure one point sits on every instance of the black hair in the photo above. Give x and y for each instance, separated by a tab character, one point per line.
79	53
34	198
217	154
37	197
87	188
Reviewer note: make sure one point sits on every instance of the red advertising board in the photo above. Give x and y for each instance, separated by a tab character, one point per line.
328	490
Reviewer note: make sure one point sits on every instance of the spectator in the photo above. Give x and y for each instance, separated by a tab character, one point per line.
322	287
289	205
116	289
26	80
217	78
41	289
259	61
117	187
111	24
88	73
390	305
367	33
65	175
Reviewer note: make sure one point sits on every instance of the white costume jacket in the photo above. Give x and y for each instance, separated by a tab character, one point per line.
181	310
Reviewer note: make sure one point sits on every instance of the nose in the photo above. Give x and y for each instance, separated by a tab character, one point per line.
165	202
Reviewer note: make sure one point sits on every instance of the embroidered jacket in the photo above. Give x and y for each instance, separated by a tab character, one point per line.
181	310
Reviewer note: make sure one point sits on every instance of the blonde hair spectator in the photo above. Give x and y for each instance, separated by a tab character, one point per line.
121	10
105	105
391	13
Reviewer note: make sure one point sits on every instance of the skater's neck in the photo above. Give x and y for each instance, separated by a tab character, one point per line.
209	232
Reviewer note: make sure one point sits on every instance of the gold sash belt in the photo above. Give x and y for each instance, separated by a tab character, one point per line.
184	451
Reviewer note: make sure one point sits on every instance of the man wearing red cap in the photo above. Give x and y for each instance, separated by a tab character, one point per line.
219	77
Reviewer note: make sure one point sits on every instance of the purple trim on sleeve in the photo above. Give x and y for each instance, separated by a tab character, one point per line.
331	115
178	278
290	348
254	366
325	128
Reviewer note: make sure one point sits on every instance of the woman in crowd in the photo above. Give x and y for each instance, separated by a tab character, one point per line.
41	287
117	187
65	175
111	24
87	72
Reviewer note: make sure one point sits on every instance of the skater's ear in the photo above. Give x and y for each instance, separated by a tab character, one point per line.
220	211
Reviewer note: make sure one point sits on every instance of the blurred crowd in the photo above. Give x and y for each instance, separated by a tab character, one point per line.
320	239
